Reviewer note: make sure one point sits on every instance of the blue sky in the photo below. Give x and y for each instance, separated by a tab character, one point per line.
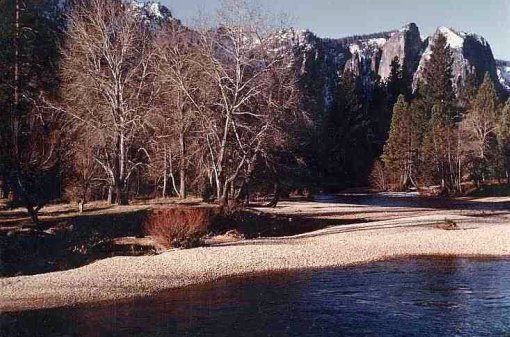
329	18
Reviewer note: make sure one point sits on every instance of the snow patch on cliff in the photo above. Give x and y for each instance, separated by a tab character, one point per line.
504	76
150	12
354	48
379	42
454	39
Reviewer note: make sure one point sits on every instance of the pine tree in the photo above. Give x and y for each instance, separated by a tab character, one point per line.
343	130
437	88
398	82
379	114
30	33
442	142
503	134
400	151
504	123
468	91
353	123
437	85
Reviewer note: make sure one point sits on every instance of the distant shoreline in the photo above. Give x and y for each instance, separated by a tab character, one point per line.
119	278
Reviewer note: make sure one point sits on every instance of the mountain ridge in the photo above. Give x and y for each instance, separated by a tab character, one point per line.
370	55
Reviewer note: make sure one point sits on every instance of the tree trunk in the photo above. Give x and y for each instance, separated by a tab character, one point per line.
24	196
110	194
83	200
243	194
165	178
165	174
15	111
120	181
276	195
33	214
219	191
182	168
224	196
182	184
121	194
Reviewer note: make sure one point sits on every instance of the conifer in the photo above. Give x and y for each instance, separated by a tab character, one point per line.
441	143
503	133
399	152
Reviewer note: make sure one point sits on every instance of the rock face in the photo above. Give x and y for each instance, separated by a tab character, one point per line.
365	56
406	44
152	13
319	61
472	54
503	71
323	61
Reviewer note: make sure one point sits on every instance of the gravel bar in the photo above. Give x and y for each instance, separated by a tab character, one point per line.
126	277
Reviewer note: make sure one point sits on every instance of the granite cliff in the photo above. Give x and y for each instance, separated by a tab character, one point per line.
406	44
322	61
472	55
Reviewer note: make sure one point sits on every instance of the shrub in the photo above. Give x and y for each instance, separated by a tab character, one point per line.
178	227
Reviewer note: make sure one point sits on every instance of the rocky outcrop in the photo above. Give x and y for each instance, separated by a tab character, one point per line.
503	72
319	62
406	44
322	61
152	13
472	54
365	56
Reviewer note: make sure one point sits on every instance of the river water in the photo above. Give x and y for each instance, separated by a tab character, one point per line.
405	297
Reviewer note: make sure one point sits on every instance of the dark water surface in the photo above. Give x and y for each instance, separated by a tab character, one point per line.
412	199
410	297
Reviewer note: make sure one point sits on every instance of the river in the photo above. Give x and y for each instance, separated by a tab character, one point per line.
405	297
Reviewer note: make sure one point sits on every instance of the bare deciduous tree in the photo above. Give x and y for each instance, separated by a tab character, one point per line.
36	167
84	174
254	85
108	86
182	97
482	119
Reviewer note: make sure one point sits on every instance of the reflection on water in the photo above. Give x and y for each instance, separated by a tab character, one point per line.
412	297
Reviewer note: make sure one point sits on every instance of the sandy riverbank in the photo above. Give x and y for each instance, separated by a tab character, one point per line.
482	233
